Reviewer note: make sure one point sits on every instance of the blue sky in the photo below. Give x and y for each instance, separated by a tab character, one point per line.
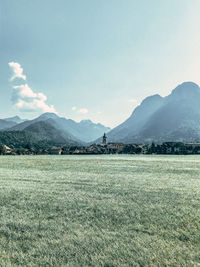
94	59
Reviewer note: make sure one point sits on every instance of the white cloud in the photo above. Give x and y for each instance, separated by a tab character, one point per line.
83	110
17	71
74	108
132	100
23	96
25	99
99	112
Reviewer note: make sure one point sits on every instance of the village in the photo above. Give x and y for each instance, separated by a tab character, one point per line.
177	148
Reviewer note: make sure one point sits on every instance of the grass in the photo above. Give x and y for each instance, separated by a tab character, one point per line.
100	211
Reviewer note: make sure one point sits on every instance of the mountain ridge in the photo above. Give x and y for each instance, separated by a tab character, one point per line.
15	119
82	132
175	117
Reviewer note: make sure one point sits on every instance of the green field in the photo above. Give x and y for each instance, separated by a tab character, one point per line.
100	211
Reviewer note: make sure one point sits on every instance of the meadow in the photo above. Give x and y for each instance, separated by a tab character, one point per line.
118	210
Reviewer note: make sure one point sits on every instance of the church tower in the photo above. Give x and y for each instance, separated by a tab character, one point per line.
105	139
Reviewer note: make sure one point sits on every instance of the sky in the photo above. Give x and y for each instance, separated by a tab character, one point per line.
94	59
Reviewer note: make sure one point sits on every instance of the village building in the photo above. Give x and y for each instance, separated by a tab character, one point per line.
55	151
8	150
76	151
115	148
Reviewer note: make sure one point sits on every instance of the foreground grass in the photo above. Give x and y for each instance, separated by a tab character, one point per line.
100	211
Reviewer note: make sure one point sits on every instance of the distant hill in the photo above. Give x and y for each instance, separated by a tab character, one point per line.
39	135
83	131
137	120
25	139
91	130
45	131
20	139
4	124
8	123
172	118
15	119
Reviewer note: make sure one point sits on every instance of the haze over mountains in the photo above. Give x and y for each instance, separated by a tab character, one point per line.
10	122
15	119
53	129
175	117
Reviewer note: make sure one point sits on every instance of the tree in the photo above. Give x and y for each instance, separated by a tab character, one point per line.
153	148
2	150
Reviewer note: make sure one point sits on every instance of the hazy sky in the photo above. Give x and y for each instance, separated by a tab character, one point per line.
94	59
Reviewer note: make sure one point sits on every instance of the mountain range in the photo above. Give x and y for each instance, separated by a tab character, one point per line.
175	117
52	129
